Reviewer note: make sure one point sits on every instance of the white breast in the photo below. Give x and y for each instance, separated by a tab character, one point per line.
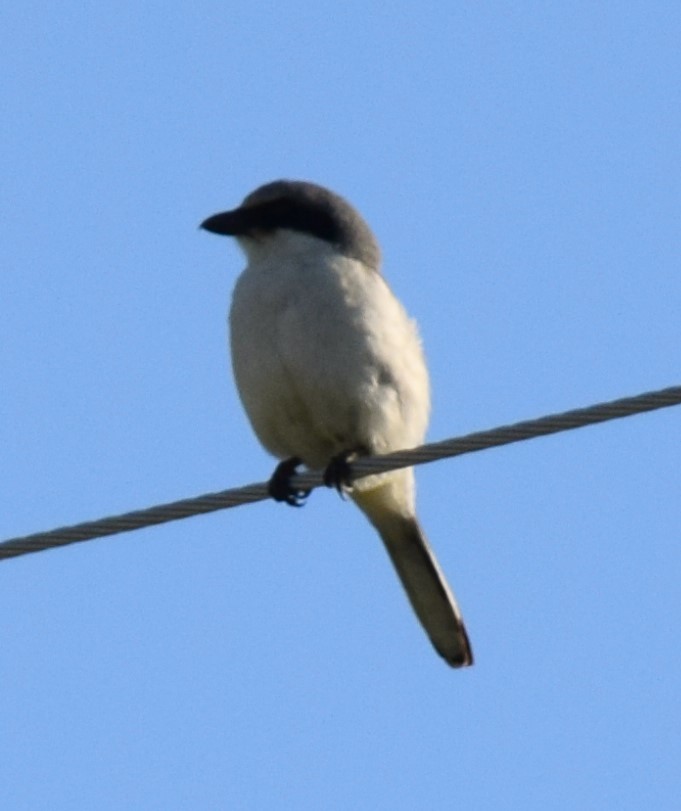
325	357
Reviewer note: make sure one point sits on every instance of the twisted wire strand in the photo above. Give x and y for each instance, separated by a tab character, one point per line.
235	497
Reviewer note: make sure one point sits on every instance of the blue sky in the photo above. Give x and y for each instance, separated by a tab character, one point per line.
520	165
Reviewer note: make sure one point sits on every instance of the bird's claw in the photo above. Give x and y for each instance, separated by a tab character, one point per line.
279	486
338	472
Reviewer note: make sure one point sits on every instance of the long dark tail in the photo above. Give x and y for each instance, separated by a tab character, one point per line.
427	589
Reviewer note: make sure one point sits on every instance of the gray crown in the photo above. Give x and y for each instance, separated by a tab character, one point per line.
305	207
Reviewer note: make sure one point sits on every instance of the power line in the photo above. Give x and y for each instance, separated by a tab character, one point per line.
470	443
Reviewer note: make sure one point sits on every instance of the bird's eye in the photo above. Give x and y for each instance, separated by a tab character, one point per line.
259	234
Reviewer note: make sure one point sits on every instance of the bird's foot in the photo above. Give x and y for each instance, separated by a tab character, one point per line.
338	472
279	486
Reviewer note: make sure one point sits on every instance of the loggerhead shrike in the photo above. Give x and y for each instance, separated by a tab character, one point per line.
330	367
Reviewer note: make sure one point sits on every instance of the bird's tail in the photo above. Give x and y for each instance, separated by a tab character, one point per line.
421	576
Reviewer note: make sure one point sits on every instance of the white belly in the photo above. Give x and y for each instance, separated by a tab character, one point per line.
326	360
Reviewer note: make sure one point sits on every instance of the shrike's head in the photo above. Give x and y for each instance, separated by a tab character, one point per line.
271	216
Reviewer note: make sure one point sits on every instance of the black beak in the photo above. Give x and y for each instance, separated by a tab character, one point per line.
228	223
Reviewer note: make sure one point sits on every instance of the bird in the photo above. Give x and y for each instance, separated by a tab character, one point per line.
329	368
